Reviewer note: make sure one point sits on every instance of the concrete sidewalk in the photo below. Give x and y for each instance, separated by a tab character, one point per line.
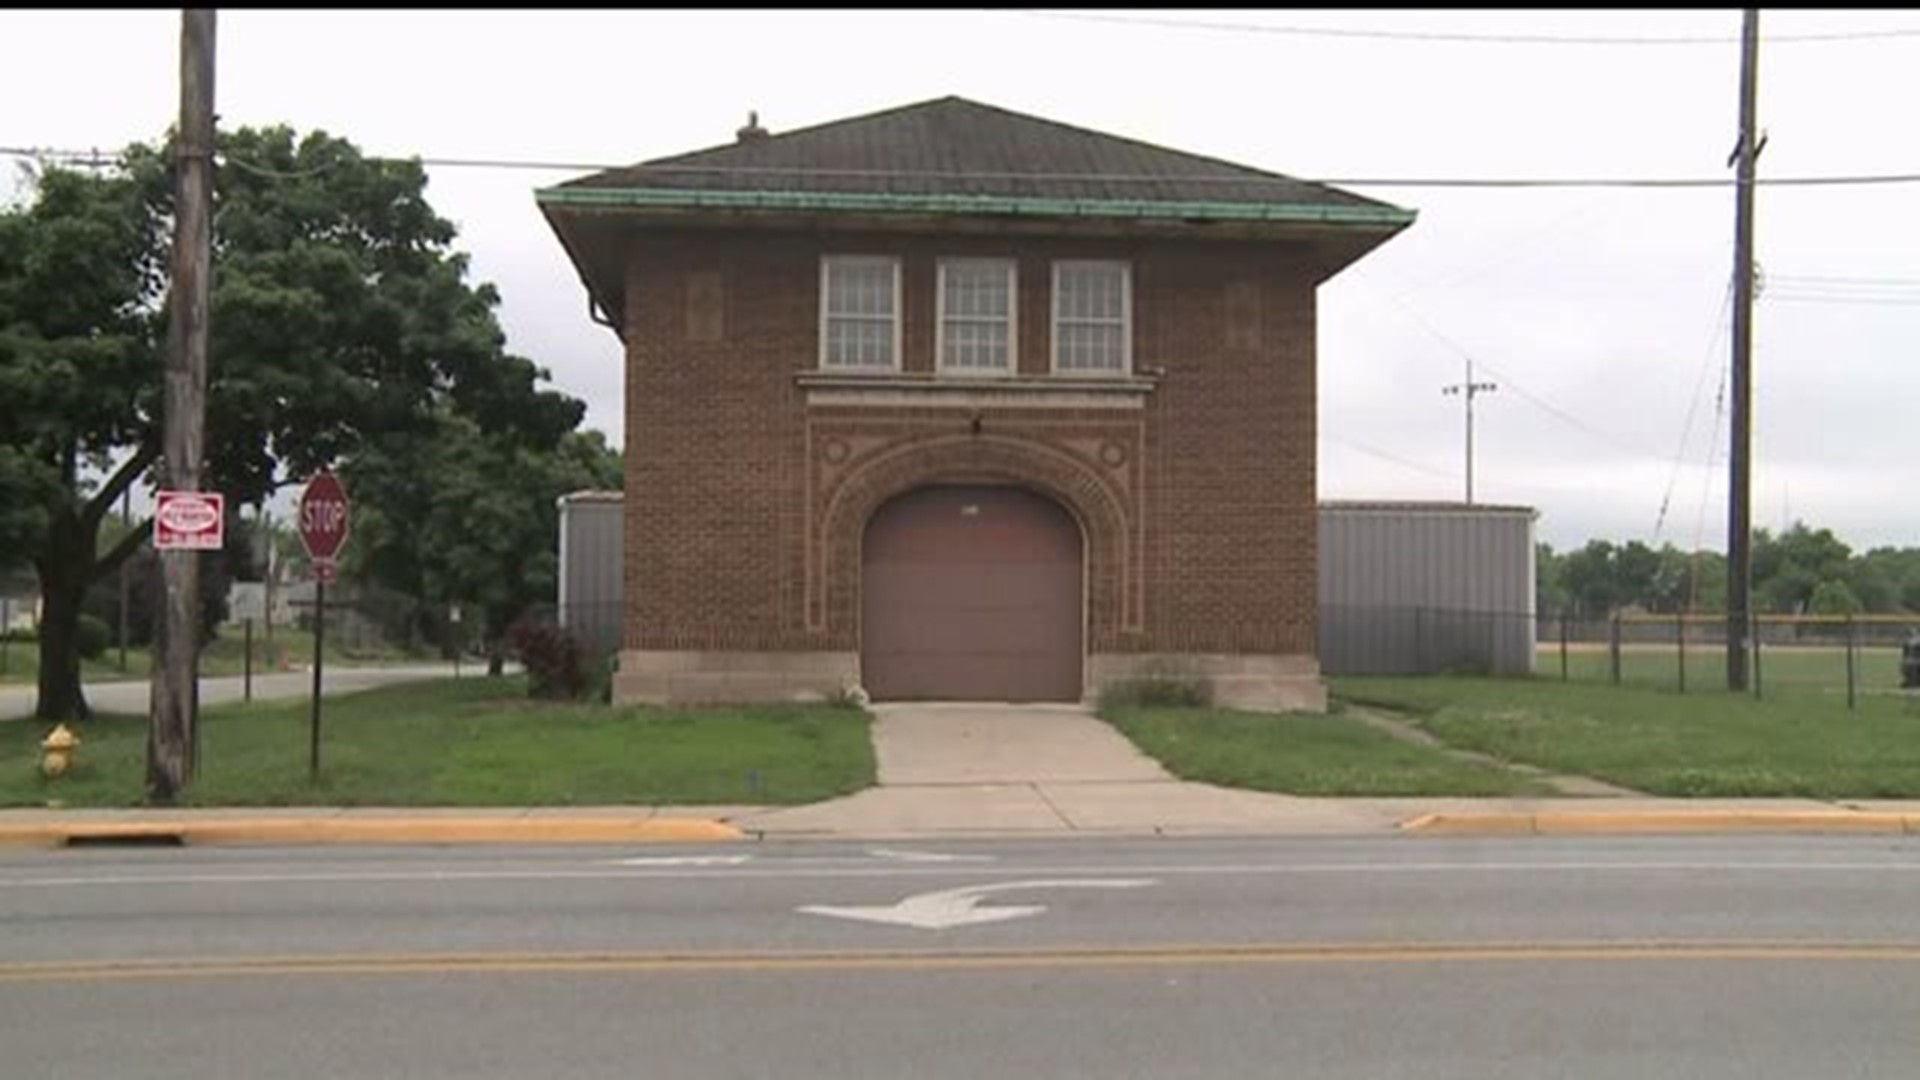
131	695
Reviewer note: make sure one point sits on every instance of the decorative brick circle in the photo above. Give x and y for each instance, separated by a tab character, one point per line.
834	451
1112	454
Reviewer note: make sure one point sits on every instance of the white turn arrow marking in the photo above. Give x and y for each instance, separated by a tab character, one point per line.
959	907
684	860
924	856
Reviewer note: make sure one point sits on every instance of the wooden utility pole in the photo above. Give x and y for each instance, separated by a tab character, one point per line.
1739	486
1470	390
170	732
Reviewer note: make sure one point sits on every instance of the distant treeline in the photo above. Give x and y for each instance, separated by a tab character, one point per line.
1799	571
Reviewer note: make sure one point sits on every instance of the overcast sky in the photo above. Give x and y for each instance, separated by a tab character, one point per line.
1600	312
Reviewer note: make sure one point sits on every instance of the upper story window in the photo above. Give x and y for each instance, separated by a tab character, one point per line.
976	316
859	313
1092	318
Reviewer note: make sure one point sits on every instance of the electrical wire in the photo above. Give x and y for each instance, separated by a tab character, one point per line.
1720	324
1508	382
98	158
1384	456
1713	454
1457	37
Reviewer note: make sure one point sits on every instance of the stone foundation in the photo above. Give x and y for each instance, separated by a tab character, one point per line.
1262	683
716	678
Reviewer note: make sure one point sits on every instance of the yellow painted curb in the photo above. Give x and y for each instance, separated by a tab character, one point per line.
1661	821
382	831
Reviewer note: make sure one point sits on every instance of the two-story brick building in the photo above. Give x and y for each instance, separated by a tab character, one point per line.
953	402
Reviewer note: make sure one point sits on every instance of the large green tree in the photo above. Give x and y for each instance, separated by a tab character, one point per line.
464	515
79	369
340	312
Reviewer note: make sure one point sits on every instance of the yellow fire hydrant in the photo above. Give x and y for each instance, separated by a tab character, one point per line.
58	748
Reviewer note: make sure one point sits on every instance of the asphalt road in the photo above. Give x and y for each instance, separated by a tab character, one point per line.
131	696
1377	957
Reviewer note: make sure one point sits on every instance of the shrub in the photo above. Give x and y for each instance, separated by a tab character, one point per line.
552	658
91	637
600	686
1159	691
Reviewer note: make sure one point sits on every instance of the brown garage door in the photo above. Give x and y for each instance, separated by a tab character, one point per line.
971	594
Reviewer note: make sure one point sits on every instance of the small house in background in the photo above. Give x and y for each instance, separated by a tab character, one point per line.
19	606
950	401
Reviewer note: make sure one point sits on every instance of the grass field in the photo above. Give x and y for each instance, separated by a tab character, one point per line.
1302	754
1708	743
1788	670
468	742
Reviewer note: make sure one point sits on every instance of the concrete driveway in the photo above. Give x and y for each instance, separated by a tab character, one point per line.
975	743
989	769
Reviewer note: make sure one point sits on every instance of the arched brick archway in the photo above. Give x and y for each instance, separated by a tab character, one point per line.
1105	516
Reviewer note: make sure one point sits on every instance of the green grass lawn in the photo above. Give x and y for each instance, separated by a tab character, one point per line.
467	742
1302	754
1709	743
1784	670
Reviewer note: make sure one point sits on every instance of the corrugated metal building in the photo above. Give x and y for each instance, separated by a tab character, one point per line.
1408	587
592	537
1405	587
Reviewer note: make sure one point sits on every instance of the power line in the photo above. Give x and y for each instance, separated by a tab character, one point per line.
1693	404
1511	384
98	158
1457	37
1878	301
1843	280
1384	456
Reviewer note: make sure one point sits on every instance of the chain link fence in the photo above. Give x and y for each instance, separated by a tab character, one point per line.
1831	656
1836	657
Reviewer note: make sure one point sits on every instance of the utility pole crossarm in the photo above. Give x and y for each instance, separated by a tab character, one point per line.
1469	389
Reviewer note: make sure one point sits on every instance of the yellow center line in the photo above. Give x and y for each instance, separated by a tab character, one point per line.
970	960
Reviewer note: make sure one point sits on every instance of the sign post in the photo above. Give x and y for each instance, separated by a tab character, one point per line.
323	529
188	521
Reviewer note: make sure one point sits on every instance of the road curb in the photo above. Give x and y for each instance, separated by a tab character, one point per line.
1661	821
439	830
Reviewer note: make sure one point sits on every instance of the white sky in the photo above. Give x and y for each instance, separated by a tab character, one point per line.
1598	311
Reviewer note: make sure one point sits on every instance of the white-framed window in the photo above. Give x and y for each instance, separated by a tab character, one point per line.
976	318
1092	318
859	313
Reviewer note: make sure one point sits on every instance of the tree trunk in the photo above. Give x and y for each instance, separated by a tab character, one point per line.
63	585
496	661
67	567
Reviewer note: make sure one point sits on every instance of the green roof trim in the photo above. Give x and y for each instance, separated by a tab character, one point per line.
1377	216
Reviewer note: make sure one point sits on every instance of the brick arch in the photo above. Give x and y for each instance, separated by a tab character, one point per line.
1104	515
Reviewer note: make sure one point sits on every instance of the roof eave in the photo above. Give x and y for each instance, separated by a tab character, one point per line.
1370	217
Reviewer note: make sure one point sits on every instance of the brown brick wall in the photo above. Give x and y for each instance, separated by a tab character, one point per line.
744	507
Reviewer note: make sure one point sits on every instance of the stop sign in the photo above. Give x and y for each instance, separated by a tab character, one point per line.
323	517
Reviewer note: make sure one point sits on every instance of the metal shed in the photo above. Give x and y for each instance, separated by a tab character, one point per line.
1410	587
592	539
